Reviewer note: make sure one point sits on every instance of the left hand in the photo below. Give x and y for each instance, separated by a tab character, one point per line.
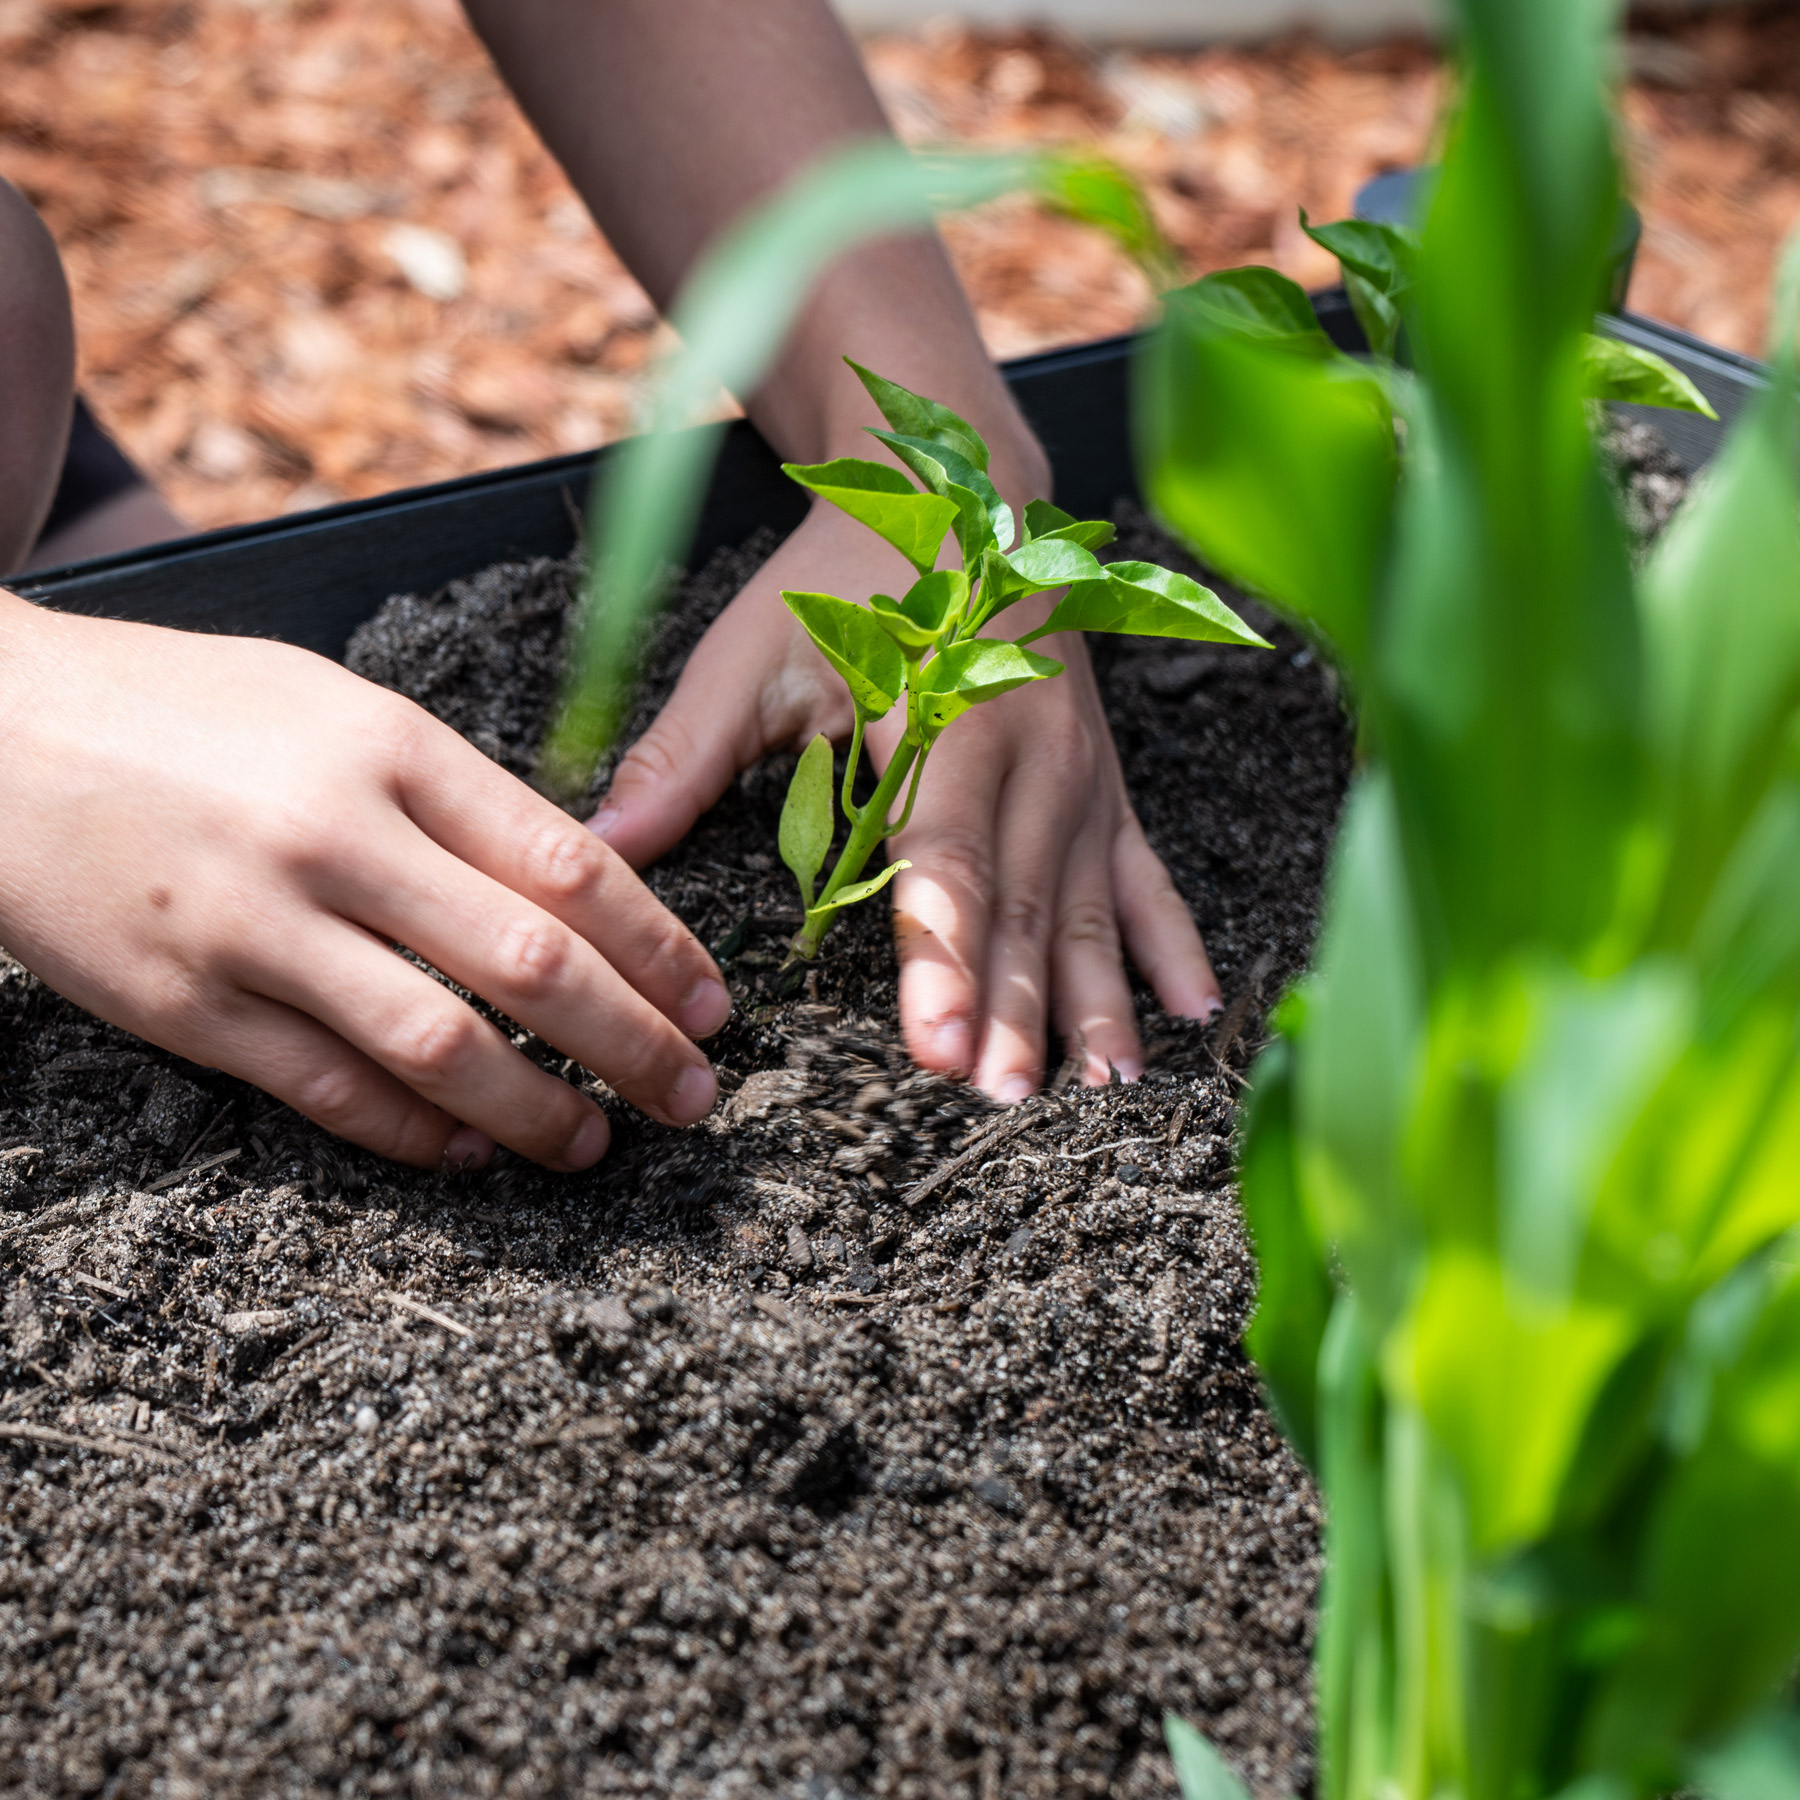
1031	876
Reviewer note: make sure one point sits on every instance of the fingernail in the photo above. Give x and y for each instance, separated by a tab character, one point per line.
605	820
467	1149
706	1008
953	1047
1015	1088
589	1143
1210	1008
693	1095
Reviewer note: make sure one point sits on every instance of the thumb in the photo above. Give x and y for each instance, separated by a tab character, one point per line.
675	771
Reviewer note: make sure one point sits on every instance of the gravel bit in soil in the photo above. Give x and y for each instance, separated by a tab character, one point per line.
860	1441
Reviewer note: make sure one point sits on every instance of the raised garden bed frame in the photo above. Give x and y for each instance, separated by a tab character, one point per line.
312	578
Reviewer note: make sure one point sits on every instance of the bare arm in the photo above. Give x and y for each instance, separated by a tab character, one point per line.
673	116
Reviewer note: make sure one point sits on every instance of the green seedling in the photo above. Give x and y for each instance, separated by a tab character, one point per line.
1523	1164
928	650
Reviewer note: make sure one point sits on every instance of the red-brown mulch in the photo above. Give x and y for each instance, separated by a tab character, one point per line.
317	252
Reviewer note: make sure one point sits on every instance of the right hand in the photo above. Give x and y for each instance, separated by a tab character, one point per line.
214	842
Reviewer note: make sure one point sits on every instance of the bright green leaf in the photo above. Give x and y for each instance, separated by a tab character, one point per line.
1724	674
968	673
1100	193
1379	316
885	501
1613	370
1506	1382
1042	520
913	416
853	642
856	891
1139	599
919	617
807	817
984	518
1257	303
1384	256
1199	1768
1294	1293
1280	468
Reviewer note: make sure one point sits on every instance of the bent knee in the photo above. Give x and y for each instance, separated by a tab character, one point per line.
37	374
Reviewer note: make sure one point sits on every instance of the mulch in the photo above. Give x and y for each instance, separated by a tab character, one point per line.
317	253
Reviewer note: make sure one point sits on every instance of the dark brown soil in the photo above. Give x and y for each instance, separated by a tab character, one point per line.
860	1441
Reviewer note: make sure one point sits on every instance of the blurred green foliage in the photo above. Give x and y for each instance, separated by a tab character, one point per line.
1523	1165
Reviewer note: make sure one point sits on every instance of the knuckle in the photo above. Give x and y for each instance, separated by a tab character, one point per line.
1089	922
564	862
963	860
431	1048
532	957
1021	915
657	758
330	1095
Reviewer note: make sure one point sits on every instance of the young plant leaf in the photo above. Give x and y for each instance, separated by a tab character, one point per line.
918	618
1042	520
984	517
913	416
1385	256
857	890
1612	370
885	501
1379	316
968	673
1033	568
807	818
1258	303
851	639
1138	599
1098	192
1202	1772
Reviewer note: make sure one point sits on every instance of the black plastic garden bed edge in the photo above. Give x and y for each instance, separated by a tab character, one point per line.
312	578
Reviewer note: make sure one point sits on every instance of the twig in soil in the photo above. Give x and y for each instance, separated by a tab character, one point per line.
430	1313
199	1168
51	1215
109	1446
842	1299
1178	1124
104	1287
1009	1127
1101	1149
206	1131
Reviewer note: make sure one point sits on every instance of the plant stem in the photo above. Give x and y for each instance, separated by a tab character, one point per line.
853	812
868	831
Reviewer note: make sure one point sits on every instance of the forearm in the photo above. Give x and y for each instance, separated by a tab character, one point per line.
674	116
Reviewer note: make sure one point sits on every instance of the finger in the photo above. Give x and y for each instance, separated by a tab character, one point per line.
314	1071
1093	1007
433	1043
1160	934
535	969
673	773
1016	990
490	823
942	908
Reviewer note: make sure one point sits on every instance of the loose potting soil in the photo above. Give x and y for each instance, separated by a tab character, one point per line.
862	1440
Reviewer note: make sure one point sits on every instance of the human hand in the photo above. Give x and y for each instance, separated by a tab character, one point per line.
213	842
1031	876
